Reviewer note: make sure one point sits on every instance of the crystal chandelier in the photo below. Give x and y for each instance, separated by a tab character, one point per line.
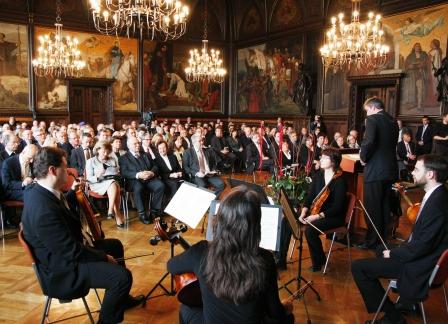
355	43
203	65
164	19
58	55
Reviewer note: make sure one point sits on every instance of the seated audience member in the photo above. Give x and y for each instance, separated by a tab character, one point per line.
186	141
101	172
332	212
406	154
25	138
81	154
287	156
351	142
307	153
68	268
294	145
169	169
63	142
147	147
237	149
39	137
141	173
238	278
340	143
17	173
413	261
221	148
117	151
334	142
11	143
257	156
200	165
177	148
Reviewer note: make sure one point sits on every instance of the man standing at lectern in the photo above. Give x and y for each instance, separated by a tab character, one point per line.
380	167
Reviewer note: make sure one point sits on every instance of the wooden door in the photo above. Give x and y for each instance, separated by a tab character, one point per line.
88	104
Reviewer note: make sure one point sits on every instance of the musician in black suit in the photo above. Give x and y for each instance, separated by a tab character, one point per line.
200	165
169	168
81	154
253	153
141	173
424	137
413	261
17	173
378	155
67	267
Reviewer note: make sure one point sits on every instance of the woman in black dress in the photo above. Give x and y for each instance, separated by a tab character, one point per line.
238	279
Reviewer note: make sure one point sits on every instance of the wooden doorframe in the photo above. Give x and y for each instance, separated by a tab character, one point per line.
94	82
358	87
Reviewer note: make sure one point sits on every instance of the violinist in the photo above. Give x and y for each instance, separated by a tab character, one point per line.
325	204
413	261
68	267
238	279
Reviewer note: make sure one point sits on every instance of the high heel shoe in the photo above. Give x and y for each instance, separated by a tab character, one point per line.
120	226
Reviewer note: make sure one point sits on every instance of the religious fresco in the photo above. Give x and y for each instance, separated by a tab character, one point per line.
267	77
165	85
105	57
418	44
286	14
14	83
252	24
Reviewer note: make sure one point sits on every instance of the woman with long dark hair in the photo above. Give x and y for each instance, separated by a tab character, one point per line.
238	279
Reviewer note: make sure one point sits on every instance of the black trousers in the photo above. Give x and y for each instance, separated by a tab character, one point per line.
313	239
213	181
172	185
156	187
117	281
376	200
366	273
190	315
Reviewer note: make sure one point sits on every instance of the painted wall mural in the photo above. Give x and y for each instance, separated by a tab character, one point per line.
266	77
14	83
106	57
165	84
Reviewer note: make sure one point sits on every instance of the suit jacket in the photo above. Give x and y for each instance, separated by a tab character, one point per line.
218	144
164	171
378	149
130	166
3	156
253	155
53	232
427	138
190	161
402	152
78	160
420	255
67	147
11	175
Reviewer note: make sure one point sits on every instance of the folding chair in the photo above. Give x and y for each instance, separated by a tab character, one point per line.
45	315
437	279
351	202
8	204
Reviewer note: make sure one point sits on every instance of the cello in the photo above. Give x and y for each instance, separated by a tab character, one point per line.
187	284
413	209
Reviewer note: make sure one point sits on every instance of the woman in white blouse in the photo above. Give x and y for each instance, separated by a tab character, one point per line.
100	171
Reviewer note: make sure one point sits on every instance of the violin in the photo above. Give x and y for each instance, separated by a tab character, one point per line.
413	209
187	284
322	196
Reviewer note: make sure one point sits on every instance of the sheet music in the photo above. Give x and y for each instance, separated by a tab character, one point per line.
190	203
111	171
269	228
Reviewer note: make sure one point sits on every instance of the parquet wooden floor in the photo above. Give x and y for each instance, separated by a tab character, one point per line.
21	300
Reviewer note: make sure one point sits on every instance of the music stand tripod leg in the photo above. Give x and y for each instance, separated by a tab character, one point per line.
167	292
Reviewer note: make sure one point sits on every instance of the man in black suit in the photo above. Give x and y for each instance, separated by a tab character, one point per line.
81	154
413	261
11	143
254	151
424	137
378	155
63	142
68	268
169	168
17	173
221	148
200	165
406	154
141	173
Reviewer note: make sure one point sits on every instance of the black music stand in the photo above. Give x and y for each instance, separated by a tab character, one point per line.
297	232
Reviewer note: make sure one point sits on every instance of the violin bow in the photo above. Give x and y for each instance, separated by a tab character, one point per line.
133	257
371	222
314	226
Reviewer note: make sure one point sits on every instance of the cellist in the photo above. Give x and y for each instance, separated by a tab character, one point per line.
68	267
325	204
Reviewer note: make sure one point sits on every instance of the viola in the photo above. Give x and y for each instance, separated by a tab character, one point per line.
187	284
413	209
